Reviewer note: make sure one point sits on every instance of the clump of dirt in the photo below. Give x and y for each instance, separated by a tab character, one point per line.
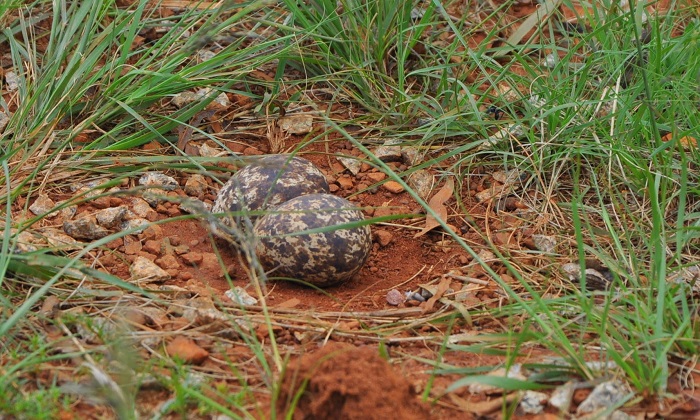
341	381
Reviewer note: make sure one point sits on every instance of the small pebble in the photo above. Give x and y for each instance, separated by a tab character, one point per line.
605	395
351	164
376	176
144	271
383	237
153	247
533	402
111	217
187	350
241	296
389	152
192	258
394	297
393	187
157	179
168	262
43	205
138	224
196	185
422	182
345	183
185	275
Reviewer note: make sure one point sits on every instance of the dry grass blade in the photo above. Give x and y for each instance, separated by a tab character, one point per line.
535	19
183	4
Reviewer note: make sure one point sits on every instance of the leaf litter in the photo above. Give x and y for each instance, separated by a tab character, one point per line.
437	204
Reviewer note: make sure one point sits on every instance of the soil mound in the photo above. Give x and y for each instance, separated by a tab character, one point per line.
340	381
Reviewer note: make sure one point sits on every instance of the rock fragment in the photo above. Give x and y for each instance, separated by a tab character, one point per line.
351	164
195	206
240	296
168	262
140	208
111	217
188	97
596	276
4	119
192	258
159	182
383	237
205	55
545	243
43	206
393	187
395	298
515	372
376	176
138	224
85	227
187	351
144	270
57	239
297	124
345	182
24	241
422	182
207	150
390	151
411	156
11	81
533	402
605	395
196	185
562	396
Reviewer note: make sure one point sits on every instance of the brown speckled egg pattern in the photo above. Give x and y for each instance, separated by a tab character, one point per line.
267	182
322	258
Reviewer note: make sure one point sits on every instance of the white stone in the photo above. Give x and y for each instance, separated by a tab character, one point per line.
4	119
205	55
390	151
533	402
604	395
158	179
240	296
144	270
562	395
12	81
351	164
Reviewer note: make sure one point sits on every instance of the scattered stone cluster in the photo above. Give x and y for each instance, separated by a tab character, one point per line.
267	192
139	249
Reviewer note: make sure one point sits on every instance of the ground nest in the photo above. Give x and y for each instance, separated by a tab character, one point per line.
341	381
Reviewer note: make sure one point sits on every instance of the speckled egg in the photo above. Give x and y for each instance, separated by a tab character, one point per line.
267	182
321	258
